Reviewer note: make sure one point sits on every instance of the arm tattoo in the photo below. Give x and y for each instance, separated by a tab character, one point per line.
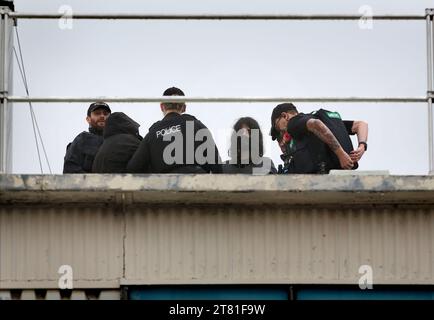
321	131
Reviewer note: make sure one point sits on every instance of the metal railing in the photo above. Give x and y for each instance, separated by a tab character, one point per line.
430	74
157	16
17	99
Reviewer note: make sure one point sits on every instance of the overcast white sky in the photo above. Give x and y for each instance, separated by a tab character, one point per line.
226	58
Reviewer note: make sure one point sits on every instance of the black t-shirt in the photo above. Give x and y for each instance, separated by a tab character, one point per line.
172	145
297	125
307	149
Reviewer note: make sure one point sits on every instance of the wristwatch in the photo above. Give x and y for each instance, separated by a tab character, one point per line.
365	145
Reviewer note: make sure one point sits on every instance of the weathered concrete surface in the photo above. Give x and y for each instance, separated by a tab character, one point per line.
209	189
215	229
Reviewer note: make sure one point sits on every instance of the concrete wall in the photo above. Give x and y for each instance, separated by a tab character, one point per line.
206	229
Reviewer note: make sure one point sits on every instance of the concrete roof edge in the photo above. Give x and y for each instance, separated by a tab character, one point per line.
214	182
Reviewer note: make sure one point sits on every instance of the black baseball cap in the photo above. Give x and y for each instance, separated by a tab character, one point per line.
277	111
98	105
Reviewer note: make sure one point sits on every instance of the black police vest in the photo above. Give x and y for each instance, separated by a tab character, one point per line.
311	155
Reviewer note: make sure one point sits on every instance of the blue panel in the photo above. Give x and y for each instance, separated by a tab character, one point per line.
206	293
336	294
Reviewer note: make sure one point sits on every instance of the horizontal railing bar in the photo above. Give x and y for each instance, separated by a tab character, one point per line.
142	16
17	99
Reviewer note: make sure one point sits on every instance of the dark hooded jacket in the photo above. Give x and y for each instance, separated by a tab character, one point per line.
81	152
121	139
265	167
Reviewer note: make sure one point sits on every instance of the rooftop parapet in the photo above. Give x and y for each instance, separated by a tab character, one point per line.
215	189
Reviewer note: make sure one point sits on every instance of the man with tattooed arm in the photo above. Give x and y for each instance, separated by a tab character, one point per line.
314	147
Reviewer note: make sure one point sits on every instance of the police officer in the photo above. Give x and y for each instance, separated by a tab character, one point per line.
179	143
81	152
314	147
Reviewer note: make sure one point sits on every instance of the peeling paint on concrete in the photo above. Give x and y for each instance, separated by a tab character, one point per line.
303	189
127	182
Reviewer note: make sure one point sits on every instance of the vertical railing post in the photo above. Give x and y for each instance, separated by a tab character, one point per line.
430	80
6	45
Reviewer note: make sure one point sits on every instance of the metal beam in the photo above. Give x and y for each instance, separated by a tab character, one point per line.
430	73
6	44
141	16
16	99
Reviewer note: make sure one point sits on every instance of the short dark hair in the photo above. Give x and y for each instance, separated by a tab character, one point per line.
173	91
252	124
277	111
